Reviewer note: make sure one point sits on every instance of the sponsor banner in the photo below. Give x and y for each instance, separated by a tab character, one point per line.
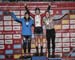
58	44
66	39
2	47
72	16
72	21
16	56
2	57
65	34
17	36
7	17
58	49
1	36
72	26
72	40
8	51
73	54
1	18
9	56
8	36
72	34
33	50
1	22
16	23
22	12
65	26
1	12
1	28
66	49
72	44
58	34
8	46
17	46
16	28
17	51
17	41
57	26
58	40
66	44
65	21
8	41
2	52
8	28
1	41
59	54
72	11
7	22
65	11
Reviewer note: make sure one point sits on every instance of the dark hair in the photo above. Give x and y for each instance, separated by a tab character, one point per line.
47	11
27	13
37	9
25	17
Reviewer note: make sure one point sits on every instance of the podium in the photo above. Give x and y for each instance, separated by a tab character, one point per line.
39	58
54	58
44	58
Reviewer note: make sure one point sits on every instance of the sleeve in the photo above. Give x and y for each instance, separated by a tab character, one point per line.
32	22
58	17
27	10
43	19
15	18
48	8
42	15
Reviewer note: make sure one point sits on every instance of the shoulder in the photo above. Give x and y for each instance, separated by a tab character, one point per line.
22	18
44	18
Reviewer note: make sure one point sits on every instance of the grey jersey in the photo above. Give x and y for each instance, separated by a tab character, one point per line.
49	23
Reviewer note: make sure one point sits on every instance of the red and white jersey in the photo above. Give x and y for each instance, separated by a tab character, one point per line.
38	19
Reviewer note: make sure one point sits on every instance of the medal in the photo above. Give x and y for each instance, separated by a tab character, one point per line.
47	22
27	23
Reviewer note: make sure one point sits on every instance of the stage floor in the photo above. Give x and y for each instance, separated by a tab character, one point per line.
45	58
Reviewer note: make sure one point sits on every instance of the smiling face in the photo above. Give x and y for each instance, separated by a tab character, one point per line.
47	14
37	11
26	16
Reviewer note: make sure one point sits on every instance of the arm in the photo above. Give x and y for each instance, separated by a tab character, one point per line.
48	9
61	17
15	18
27	10
44	23
32	22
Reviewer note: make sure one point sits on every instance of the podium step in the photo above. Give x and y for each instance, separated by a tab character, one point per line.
39	58
54	58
